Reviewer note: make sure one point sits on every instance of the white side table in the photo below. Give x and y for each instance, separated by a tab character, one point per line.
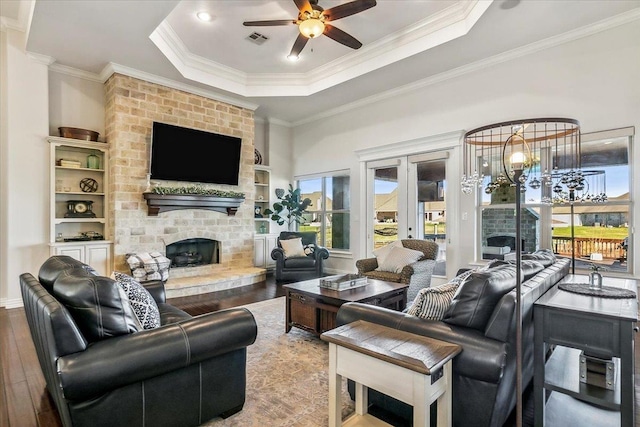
411	368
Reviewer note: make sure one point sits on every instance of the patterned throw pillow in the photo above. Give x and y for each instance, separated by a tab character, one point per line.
309	249
143	304
292	247
432	303
397	258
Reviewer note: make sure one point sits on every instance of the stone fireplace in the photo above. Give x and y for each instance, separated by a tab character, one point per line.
132	105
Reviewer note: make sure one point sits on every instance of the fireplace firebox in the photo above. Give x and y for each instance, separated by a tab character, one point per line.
193	252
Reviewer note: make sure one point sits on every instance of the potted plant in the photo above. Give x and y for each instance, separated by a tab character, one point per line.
289	208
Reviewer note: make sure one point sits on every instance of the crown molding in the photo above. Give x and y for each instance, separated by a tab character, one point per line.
86	75
112	68
274	121
529	49
449	24
41	59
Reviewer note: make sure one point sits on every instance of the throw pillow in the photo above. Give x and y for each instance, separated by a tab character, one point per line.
395	261
292	247
432	303
142	303
309	249
381	253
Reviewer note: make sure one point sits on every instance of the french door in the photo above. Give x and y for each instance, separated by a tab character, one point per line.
406	199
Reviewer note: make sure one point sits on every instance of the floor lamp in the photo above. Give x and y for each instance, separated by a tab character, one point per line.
512	154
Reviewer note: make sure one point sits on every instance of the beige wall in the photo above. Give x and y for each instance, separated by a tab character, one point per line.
131	107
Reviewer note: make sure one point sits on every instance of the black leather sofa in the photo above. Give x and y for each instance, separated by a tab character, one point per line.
299	268
183	373
484	373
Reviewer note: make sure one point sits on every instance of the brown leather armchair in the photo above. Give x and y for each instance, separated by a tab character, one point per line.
299	268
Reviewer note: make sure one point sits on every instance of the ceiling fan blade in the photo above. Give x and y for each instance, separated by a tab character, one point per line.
348	9
298	45
268	23
303	6
341	37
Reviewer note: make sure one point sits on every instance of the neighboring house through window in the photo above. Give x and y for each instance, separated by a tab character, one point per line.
329	214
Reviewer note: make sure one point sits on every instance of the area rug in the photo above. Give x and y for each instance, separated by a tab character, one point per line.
287	375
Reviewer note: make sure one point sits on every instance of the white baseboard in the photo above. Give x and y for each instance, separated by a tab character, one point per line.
11	303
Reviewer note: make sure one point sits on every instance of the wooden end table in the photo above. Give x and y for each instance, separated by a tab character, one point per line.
314	309
411	368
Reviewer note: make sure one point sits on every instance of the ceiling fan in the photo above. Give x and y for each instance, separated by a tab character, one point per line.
313	21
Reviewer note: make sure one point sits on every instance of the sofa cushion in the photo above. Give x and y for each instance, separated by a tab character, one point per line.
383	275
293	248
143	304
529	267
53	267
546	257
397	258
433	302
300	262
99	306
477	296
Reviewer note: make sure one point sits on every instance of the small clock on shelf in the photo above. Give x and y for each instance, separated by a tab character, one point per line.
79	209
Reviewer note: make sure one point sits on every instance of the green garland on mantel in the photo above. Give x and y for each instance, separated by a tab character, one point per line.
196	190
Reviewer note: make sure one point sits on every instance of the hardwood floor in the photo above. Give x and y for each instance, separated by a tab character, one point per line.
24	401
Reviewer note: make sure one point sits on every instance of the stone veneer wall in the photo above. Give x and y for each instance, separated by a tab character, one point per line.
132	105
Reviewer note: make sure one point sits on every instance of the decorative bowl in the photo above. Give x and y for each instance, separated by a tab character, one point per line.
77	133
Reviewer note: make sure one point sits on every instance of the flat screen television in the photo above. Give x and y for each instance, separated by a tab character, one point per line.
183	154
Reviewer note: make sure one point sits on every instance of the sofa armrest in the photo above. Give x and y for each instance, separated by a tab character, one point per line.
366	264
320	253
481	358
277	254
156	289
127	359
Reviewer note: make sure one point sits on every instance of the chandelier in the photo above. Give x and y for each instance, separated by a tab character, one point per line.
547	153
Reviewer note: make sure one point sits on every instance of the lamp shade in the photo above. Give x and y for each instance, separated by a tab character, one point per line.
311	28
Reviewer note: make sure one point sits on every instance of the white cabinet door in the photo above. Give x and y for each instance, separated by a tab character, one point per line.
99	257
271	242
259	251
76	251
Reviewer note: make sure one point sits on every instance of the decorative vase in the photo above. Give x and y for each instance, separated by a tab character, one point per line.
93	161
595	281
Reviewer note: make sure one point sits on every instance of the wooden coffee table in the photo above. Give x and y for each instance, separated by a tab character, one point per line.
314	309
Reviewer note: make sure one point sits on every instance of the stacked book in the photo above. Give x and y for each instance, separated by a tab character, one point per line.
70	163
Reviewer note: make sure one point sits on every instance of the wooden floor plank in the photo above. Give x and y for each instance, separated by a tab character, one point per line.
19	405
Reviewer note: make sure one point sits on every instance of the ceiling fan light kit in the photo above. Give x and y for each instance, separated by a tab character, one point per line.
313	21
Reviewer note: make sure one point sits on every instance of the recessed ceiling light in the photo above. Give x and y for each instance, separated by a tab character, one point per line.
293	58
204	16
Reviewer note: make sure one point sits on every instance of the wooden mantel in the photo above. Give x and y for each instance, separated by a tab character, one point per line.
158	203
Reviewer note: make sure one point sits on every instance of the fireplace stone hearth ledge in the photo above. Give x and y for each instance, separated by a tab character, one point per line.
187	281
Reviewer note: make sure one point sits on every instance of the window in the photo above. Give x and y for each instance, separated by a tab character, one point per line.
599	230
329	214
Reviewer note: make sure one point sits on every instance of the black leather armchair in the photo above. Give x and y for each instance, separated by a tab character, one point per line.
299	268
183	373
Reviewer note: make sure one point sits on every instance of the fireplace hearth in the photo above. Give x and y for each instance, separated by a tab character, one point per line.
193	252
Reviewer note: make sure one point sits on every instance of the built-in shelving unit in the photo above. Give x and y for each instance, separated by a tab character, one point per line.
262	183
79	212
265	240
